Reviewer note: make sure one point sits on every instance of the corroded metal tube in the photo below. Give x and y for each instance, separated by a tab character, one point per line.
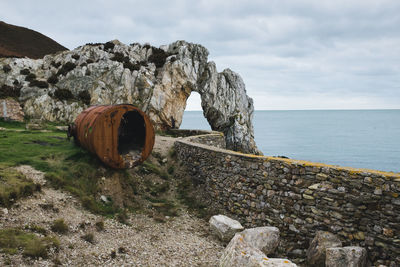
121	136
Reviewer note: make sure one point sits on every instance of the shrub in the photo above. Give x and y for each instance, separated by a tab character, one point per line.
24	72
63	94
131	67
85	97
56	65
52	79
6	68
30	77
9	91
120	58
109	46
89	237
99	226
158	57
11	240
89	61
59	226
66	68
75	56
40	84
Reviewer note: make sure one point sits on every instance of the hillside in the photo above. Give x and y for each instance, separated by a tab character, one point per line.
18	41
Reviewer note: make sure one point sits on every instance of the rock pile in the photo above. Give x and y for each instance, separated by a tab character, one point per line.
249	247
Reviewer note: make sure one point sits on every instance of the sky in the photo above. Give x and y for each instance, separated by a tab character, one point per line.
291	54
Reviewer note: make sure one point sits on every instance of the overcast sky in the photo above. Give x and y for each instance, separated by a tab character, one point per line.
292	54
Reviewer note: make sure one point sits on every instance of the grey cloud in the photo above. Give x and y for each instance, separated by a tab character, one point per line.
312	50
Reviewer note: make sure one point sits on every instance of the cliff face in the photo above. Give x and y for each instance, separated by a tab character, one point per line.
157	80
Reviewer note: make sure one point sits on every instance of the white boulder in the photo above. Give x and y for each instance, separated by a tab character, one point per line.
224	227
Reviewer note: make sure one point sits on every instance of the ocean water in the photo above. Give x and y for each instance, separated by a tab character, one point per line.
353	138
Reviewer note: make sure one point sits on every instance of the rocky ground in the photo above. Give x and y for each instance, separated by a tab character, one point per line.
184	240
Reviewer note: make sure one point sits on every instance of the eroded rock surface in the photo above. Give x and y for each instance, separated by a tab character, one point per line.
224	227
245	251
157	80
346	257
316	253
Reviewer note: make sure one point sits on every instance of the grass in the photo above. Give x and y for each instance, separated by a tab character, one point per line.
66	165
59	226
14	185
11	240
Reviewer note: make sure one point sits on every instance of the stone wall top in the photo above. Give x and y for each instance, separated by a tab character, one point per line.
350	170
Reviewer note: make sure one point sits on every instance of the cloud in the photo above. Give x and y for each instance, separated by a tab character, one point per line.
291	54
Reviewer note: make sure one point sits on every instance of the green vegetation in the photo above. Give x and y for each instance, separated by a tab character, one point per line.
63	94
66	165
10	91
99	226
11	240
89	237
6	68
66	68
36	229
186	192
59	226
14	185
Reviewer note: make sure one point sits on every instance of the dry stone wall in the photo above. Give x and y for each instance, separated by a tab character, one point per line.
361	206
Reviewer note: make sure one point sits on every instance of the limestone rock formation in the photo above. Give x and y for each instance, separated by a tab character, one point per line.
316	253
224	227
346	257
157	80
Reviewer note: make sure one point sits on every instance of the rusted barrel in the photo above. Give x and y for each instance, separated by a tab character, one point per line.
122	136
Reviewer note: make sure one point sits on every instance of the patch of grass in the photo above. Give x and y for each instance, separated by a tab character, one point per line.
99	226
66	165
149	167
171	170
59	226
11	240
14	185
164	206
185	194
37	229
89	237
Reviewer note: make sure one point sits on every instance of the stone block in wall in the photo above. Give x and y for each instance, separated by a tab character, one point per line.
224	227
316	253
346	257
10	109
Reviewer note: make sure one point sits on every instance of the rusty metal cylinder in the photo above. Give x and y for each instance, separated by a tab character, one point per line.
121	136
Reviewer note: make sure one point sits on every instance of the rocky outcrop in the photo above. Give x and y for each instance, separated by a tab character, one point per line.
224	227
157	80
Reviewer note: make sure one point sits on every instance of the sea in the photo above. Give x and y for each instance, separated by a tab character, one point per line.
352	138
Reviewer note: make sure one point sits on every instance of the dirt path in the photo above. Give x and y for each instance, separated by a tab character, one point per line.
184	240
